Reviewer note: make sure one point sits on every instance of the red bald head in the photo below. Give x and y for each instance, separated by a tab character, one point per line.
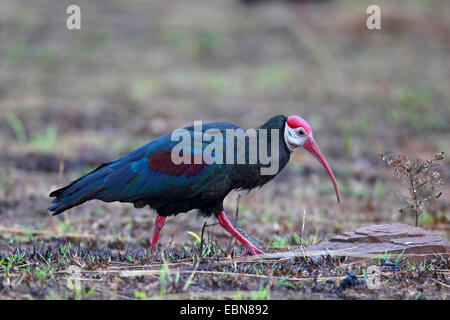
296	122
298	133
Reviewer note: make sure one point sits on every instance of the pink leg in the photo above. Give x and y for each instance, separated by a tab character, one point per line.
226	224
159	223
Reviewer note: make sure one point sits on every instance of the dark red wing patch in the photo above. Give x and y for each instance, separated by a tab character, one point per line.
161	161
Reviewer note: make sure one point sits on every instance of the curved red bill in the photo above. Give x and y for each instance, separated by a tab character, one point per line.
312	147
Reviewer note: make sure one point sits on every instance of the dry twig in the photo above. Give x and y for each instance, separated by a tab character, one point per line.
421	179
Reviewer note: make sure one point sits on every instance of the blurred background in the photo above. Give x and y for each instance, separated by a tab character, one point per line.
73	99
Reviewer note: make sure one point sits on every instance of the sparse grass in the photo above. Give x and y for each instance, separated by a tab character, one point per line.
273	77
196	45
45	141
262	294
284	282
17	127
65	226
196	237
24	53
45	272
140	295
57	268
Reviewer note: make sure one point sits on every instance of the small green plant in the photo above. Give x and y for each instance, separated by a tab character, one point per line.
196	236
421	179
313	239
364	273
44	273
46	140
262	294
397	260
65	226
6	183
164	278
238	296
65	250
29	233
296	238
424	266
284	282
14	260
209	249
17	127
12	239
140	295
280	242
82	293
383	257
258	268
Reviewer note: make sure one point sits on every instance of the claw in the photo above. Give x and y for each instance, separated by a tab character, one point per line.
254	251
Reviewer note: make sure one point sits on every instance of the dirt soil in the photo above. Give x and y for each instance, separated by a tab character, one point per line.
72	100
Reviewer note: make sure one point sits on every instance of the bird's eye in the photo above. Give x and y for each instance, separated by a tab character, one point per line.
301	132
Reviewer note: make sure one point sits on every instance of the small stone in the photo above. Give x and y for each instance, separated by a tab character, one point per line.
349	281
393	241
390	265
373	278
411	243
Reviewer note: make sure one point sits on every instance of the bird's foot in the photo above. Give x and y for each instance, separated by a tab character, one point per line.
251	250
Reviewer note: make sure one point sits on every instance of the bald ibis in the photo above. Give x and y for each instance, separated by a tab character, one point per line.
150	176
